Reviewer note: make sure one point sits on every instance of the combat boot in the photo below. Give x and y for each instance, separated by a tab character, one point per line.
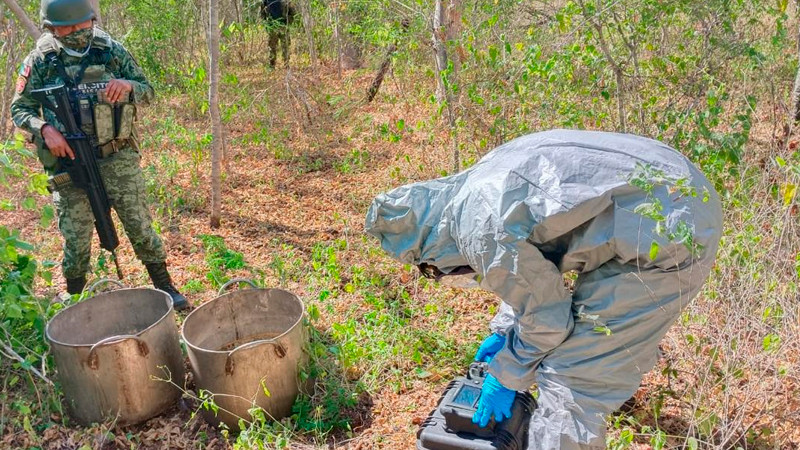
76	285
161	280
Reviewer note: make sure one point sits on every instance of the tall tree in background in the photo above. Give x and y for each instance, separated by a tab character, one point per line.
794	114
11	43
452	33
26	22
439	49
444	84
9	54
616	66
308	25
337	35
213	108
96	7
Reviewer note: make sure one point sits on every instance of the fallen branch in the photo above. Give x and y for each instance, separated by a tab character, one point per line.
9	352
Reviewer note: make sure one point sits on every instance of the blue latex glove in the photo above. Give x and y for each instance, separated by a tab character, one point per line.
496	400
490	346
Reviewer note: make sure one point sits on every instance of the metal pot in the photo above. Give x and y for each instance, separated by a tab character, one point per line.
247	348
109	350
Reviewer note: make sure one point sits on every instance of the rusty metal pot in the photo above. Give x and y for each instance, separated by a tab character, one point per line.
247	349
109	350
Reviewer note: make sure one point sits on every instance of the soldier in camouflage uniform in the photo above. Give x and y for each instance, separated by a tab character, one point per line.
73	52
278	14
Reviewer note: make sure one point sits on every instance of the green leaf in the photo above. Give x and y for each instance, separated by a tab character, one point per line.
22	245
47	216
29	203
707	425
421	373
789	191
691	443
603	330
771	343
313	312
265	389
493	54
650	210
653	250
47	276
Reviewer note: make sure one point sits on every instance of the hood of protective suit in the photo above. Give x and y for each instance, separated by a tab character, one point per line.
411	223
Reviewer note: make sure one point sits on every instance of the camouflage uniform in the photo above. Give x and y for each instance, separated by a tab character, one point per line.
107	59
278	14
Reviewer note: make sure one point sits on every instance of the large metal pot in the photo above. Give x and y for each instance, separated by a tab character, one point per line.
109	349
246	348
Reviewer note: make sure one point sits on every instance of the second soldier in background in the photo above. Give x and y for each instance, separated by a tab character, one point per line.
278	15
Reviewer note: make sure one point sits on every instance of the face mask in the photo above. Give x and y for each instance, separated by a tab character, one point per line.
77	40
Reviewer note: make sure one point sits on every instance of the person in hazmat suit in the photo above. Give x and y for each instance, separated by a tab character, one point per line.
75	53
634	218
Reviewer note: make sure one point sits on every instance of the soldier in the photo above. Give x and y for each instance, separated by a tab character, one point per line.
75	53
278	14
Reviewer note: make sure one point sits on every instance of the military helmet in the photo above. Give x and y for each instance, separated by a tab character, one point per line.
62	13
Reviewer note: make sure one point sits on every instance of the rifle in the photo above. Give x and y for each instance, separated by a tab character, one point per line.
83	170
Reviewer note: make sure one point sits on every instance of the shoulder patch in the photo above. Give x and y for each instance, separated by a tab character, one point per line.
25	70
21	82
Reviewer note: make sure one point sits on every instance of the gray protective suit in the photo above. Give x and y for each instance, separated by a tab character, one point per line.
559	201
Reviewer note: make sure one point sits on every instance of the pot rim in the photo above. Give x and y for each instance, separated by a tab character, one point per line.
138	333
227	352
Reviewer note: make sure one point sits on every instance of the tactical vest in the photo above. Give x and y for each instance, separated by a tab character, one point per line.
107	124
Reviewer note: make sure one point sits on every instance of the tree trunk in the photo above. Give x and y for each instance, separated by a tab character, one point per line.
444	92
308	25
237	5
213	108
795	111
453	32
27	23
96	7
9	50
439	49
337	35
615	67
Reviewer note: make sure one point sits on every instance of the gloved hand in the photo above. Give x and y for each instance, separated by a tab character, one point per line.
490	346
496	400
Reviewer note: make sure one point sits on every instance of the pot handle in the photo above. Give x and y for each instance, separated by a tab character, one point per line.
93	362
236	280
90	290
280	351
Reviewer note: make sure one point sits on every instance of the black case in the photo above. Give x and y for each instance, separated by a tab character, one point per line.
449	426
